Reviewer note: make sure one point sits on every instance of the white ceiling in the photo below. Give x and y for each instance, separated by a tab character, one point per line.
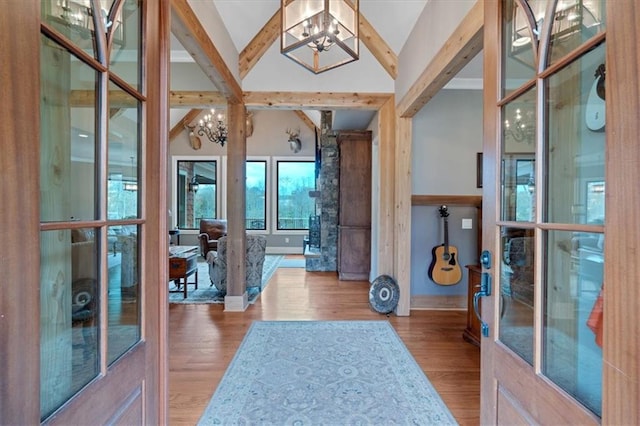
392	19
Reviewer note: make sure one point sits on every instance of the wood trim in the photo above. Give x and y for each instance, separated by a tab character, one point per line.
491	125
274	100
305	118
259	45
196	99
19	212
187	119
549	402
463	45
386	176
457	200
439	302
155	245
186	27
316	100
402	181
621	369
378	47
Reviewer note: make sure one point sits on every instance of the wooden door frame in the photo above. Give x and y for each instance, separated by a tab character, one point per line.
20	214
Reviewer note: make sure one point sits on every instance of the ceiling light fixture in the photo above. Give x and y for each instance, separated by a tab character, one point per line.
320	34
521	128
212	126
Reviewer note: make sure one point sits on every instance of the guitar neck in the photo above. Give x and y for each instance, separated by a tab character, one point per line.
446	236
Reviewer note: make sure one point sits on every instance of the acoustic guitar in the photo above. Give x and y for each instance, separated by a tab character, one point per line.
444	268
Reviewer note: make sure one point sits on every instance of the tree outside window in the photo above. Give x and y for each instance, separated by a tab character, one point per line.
295	180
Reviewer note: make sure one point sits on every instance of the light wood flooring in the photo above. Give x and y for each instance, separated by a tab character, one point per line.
203	340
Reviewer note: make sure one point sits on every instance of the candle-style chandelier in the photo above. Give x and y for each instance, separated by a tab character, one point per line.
212	126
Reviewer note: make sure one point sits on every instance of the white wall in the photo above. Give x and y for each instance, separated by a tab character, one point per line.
218	34
447	134
434	26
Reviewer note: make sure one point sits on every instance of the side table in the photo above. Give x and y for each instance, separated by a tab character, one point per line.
181	266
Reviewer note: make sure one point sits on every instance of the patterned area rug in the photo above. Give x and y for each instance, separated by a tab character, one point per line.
292	263
206	293
324	372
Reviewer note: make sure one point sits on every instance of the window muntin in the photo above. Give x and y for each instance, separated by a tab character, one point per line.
294	206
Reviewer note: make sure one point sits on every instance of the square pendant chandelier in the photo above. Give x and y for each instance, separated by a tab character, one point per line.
320	34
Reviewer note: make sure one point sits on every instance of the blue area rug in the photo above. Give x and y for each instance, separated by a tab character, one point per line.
292	263
206	293
324	372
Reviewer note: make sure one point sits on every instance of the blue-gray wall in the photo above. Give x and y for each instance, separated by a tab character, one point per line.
447	134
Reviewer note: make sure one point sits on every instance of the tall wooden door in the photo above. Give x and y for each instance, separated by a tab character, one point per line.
544	218
354	216
87	342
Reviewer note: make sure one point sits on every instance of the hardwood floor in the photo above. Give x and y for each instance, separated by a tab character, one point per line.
203	340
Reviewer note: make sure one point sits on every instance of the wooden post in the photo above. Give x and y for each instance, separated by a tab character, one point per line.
236	299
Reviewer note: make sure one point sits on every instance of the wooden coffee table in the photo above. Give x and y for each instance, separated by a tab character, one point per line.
183	261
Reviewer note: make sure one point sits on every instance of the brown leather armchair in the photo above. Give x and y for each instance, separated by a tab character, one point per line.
210	231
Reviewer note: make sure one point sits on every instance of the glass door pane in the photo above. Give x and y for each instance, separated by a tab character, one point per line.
576	140
572	334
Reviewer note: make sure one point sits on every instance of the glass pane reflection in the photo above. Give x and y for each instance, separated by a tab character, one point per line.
520	42
576	141
124	290
72	18
69	314
517	291
126	52
575	22
572	353
124	143
68	154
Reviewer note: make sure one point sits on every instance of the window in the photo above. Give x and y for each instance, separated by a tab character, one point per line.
294	206
256	203
197	192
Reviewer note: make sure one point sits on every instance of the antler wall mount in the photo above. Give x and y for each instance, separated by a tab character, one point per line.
294	140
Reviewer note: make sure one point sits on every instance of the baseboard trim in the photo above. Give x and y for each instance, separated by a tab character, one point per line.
452	303
284	250
236	303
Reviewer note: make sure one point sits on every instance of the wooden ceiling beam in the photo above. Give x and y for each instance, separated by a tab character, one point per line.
315	100
177	99
378	47
187	119
305	119
259	45
196	99
186	27
268	35
460	48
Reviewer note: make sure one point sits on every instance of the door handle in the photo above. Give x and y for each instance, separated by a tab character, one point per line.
485	290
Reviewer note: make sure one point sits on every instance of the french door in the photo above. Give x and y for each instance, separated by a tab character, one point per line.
544	230
91	343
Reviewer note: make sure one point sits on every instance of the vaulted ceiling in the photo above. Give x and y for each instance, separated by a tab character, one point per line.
252	28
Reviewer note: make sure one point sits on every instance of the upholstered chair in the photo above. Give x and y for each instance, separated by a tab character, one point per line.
210	231
254	262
